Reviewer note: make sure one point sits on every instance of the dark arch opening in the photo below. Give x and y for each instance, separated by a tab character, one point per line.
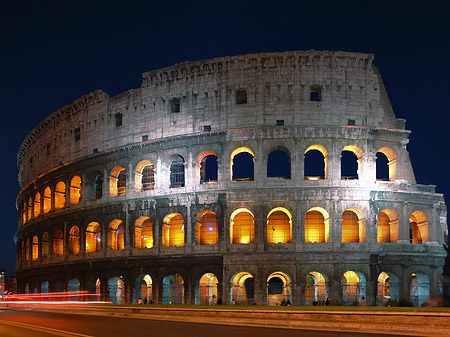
249	285
314	164
275	286
349	165
279	164
382	167
243	167
208	169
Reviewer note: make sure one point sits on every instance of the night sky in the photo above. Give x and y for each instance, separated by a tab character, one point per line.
53	52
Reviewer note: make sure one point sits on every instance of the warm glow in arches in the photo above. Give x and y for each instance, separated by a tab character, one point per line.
93	237
353	225
138	173
355	149
47	199
116	235
206	228
242	226
114	181
173	230
387	226
317	225
418	224
60	195
37	205
75	190
35	248
392	162
279	226
143	232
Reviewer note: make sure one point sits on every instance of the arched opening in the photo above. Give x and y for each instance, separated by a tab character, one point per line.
418	227
98	185
47	199
58	243
37	205
206	228
75	190
118	181
45	246
177	172
242	164
173	230
279	289
351	160
444	285
143	289
143	232
74	240
316	163
353	288
316	289
206	289
387	289
35	248
116	290
173	289
279	164
207	167
44	290
27	250
353	225
145	176
419	286
242	289
24	212
116	235
93	286
93	237
317	225
30	209
242	226
60	195
73	286
387	226
279	226
386	164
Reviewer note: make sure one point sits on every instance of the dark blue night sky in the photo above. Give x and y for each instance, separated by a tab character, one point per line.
52	52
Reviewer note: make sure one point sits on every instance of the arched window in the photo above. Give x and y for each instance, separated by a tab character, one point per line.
317	228
45	247
116	235
35	248
208	169
93	237
386	164
206	228
148	178
353	226
279	226
118	181
47	199
242	289
75	190
74	240
30	208
351	158
173	230
206	289
122	183
143	232
279	164
279	289
418	227
98	186
58	243
27	250
177	172
60	195
387	226
242	164
315	163
37	204
242	226
24	212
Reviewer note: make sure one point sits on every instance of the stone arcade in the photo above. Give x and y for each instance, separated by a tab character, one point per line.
247	179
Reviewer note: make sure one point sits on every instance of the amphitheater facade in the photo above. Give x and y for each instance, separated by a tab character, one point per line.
261	178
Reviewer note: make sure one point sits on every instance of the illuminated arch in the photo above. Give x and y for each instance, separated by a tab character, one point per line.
311	162
207	167
47	199
206	289
173	230
60	194
144	176
116	290
234	168
242	288
93	237
279	226
30	208
387	288
58	243
173	289
316	288
353	225
317	225
392	162
74	240
35	248
143	232
118	181
75	190
347	171
37	205
242	226
387	226
418	227
116	235
143	288
279	288
27	250
206	228
353	287
419	287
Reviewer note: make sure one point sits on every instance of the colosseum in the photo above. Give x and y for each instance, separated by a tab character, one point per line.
262	179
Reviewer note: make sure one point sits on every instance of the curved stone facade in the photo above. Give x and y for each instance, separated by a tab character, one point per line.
258	178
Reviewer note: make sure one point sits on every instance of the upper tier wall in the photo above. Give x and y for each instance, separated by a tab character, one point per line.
277	85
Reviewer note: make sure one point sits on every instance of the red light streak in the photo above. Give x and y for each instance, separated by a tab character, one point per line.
65	297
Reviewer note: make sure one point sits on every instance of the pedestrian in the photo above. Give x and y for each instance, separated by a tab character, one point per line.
363	302
145	300
327	302
288	303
